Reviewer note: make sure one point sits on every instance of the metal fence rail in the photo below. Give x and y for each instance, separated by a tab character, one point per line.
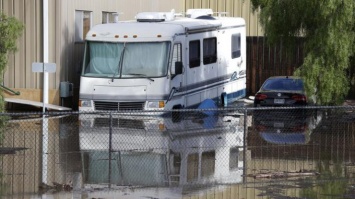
185	148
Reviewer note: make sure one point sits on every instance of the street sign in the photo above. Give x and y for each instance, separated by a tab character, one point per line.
38	67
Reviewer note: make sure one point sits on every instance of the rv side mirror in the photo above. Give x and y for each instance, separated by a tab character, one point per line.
177	70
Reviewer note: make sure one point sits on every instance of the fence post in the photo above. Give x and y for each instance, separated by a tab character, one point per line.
244	145
109	152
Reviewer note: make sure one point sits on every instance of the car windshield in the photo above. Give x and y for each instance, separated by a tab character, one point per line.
126	60
283	84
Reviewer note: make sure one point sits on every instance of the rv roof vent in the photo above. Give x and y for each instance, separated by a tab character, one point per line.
194	13
155	16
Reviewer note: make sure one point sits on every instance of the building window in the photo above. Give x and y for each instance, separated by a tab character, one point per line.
209	50
236	45
82	24
194	53
109	17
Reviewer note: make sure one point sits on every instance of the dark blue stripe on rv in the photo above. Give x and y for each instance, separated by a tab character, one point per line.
230	97
216	82
236	95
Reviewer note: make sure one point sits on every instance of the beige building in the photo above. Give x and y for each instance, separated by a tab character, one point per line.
68	21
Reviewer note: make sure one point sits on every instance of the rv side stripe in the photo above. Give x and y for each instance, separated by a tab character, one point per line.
231	97
219	80
189	89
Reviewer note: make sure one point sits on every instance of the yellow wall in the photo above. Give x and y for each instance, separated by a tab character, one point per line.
62	48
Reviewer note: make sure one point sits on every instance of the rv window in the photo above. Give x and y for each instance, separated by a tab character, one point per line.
208	162
102	58
126	60
194	53
209	51
177	53
235	45
192	167
177	60
233	158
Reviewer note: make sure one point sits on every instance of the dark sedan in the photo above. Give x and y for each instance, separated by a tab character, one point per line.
281	91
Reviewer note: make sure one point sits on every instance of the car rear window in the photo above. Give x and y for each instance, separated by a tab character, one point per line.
283	84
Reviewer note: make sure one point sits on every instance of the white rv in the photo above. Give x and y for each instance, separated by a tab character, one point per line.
164	61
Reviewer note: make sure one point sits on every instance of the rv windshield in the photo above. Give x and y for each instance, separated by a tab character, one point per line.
139	60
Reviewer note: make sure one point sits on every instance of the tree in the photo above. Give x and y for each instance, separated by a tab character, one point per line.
328	30
10	31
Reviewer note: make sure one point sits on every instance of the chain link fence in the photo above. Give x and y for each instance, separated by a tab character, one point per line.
193	149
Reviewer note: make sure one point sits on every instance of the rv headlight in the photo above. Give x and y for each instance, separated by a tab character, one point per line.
156	104
85	103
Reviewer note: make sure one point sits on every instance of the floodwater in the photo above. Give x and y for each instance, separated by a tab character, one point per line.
225	155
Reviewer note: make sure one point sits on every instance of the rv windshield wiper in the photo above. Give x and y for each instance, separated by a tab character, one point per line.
141	75
120	63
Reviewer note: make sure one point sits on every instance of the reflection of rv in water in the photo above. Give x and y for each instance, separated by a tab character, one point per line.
164	61
165	155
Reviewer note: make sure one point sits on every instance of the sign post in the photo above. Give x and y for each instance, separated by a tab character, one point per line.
44	68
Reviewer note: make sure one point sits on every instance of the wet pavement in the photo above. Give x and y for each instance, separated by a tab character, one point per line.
223	155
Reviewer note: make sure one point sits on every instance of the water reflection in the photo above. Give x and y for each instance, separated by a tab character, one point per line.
194	156
328	150
288	127
199	149
23	170
332	183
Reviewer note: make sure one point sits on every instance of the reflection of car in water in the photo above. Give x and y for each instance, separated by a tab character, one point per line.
286	126
154	151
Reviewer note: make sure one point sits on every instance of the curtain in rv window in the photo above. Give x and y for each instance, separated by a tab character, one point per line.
104	57
209	50
149	59
140	58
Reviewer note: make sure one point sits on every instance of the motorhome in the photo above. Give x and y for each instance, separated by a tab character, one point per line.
164	61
